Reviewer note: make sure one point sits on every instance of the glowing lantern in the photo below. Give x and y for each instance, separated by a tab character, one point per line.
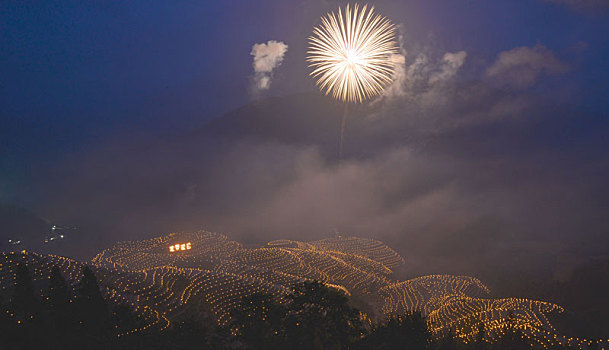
180	247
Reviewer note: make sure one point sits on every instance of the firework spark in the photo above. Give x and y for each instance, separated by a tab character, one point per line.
350	53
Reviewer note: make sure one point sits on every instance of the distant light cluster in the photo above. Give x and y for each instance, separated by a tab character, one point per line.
162	285
180	247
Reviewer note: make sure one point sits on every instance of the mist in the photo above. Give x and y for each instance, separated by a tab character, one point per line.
484	182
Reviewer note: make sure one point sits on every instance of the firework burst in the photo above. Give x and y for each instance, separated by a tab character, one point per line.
350	53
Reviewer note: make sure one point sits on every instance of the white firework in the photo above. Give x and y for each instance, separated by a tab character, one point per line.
351	53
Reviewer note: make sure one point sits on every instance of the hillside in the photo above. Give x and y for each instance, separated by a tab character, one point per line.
165	279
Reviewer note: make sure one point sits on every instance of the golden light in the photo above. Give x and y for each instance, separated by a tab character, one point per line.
180	247
351	53
159	285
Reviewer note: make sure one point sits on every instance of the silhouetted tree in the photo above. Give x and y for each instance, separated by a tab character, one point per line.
513	338
258	321
59	323
123	319
407	332
192	334
448	342
480	342
321	318
27	332
7	324
58	293
565	347
25	303
91	307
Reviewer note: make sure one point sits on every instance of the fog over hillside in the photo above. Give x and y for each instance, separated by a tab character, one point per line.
493	179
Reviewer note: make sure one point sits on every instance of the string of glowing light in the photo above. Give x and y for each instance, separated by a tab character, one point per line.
163	286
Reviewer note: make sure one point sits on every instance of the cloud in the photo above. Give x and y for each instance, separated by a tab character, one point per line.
396	88
521	67
422	76
445	200
425	86
451	63
418	74
267	57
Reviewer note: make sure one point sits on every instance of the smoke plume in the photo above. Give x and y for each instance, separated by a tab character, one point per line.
267	57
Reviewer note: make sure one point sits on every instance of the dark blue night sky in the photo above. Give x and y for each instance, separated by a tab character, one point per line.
77	72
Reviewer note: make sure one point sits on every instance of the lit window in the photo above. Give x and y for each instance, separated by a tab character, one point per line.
180	247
